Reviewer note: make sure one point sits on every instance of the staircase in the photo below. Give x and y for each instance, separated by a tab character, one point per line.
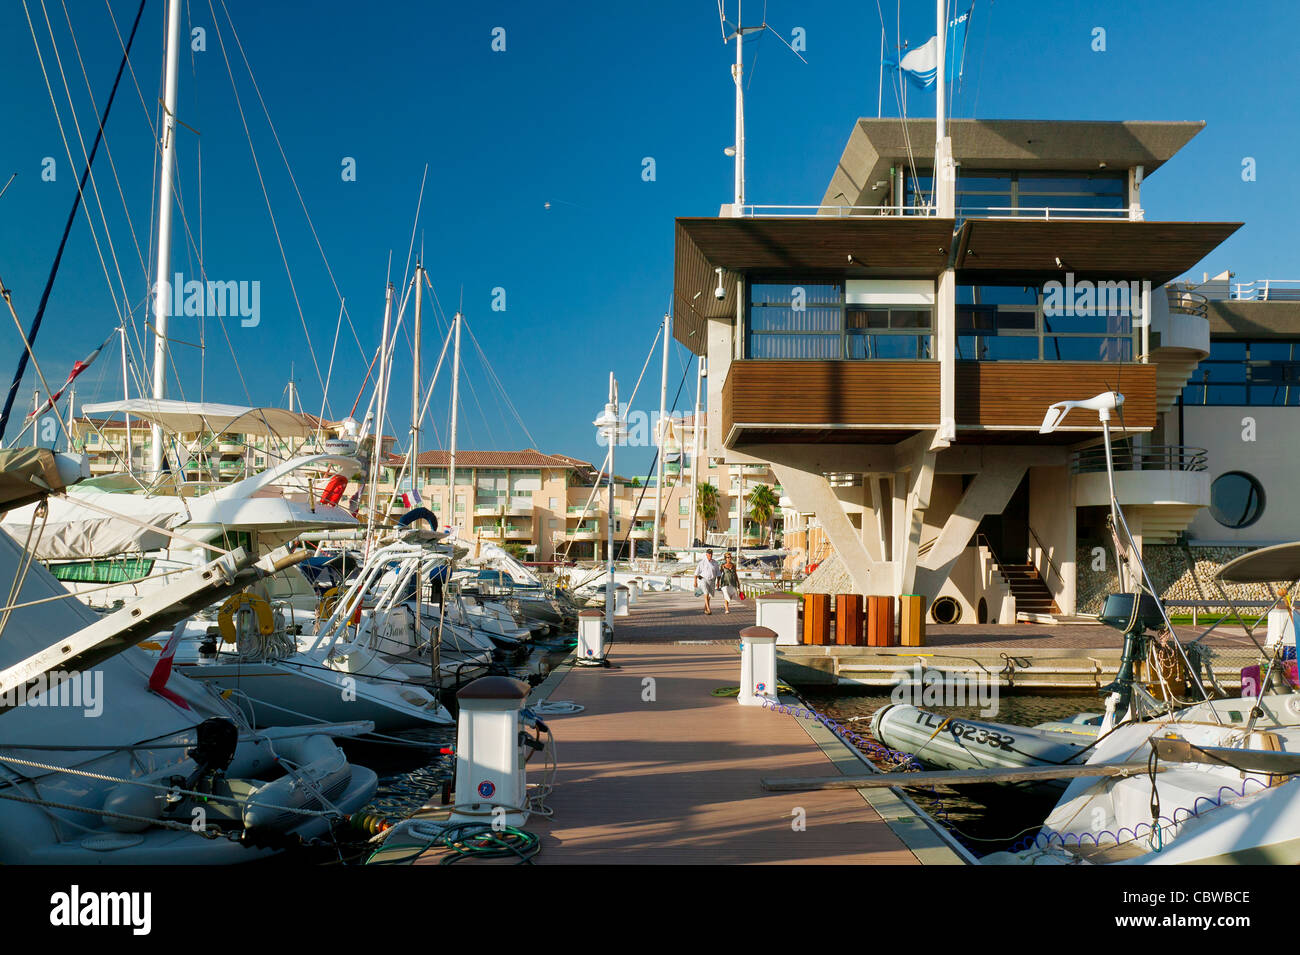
1033	599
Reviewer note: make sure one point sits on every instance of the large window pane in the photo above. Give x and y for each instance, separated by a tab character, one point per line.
804	347
1087	349
769	318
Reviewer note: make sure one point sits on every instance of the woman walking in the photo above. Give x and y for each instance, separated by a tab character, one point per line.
730	583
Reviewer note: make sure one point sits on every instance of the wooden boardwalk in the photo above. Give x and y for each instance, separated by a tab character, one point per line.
675	779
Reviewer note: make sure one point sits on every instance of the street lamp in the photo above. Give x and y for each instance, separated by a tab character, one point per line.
611	428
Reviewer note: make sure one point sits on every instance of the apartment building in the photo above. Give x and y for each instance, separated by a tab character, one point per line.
892	355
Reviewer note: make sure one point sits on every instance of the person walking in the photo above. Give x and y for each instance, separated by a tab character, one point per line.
706	578
729	581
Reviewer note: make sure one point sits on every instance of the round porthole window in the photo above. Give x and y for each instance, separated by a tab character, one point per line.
945	610
1236	499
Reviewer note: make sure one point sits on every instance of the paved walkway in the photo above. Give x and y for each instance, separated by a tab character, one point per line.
676	780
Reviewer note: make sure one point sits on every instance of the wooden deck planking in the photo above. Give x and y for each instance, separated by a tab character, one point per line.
677	780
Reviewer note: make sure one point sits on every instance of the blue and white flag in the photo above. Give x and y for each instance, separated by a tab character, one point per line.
922	64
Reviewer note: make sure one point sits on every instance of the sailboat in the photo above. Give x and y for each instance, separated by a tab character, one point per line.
110	759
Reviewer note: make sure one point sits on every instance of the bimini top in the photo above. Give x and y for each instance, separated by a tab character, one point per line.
1281	562
189	417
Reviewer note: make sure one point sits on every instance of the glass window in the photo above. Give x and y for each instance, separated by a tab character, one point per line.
1236	499
1247	373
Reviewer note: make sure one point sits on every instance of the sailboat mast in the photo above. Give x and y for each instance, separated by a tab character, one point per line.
455	413
737	73
126	396
381	389
415	377
663	430
162	284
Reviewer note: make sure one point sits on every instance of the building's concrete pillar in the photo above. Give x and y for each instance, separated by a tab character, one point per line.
988	493
811	491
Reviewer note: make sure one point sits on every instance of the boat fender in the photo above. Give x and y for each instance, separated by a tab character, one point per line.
132	800
333	492
235	603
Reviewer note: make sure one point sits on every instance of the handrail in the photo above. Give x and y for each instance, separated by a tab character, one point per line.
1047	555
1150	458
1187	302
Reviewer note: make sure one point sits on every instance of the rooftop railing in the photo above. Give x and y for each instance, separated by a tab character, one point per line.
1047	213
1267	290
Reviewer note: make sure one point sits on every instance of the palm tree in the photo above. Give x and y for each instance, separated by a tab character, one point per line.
706	503
763	503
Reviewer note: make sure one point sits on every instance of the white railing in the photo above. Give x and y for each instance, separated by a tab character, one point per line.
1046	213
803	212
1267	290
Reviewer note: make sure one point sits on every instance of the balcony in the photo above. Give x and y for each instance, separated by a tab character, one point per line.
583	532
1163	486
883	402
643	531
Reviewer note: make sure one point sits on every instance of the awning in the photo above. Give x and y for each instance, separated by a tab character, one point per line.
190	417
1277	564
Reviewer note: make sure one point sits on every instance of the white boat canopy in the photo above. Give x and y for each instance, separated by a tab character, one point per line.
1275	564
189	417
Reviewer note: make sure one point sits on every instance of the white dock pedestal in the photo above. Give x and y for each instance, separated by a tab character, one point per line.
757	666
490	769
591	637
633	591
779	612
620	600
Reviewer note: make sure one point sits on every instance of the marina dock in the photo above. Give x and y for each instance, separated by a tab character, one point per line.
676	779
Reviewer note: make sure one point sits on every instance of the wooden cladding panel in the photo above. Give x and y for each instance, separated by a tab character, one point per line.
1016	394
842	393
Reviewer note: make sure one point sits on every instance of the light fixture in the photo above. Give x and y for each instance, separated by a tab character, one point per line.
730	150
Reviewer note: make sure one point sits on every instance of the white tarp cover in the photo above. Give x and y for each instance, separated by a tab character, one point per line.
73	532
189	417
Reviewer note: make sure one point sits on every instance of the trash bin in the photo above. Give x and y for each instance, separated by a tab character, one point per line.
880	622
911	620
848	620
817	619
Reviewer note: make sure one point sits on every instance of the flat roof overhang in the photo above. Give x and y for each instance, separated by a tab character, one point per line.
880	246
876	145
990	251
1240	318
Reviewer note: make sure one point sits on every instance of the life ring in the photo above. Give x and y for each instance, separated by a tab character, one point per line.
419	514
333	492
328	601
260	608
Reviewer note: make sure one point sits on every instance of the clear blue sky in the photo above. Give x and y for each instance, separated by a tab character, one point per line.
565	115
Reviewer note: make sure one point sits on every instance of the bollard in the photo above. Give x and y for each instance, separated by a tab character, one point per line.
779	612
490	768
757	666
633	591
591	638
620	601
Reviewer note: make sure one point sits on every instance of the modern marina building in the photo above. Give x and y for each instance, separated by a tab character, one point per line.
891	352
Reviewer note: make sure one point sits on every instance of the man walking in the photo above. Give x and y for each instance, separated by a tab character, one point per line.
706	578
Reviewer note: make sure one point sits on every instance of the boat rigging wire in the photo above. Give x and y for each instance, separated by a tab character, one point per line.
72	215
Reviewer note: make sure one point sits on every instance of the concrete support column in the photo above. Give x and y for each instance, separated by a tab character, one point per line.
811	491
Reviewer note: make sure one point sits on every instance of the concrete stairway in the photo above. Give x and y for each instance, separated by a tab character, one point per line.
1032	596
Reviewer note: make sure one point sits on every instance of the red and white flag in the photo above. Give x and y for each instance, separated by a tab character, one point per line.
77	369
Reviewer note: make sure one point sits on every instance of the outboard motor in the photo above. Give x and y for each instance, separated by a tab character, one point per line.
218	738
1133	615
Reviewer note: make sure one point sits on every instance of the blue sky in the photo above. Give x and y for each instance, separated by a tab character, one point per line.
582	94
